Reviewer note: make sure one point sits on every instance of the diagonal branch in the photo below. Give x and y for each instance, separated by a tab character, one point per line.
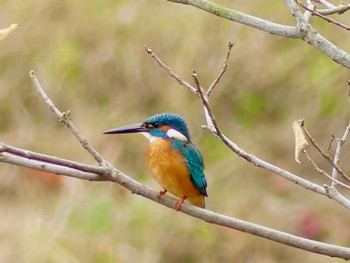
214	128
212	125
325	155
64	117
324	17
340	9
315	39
242	18
303	30
341	141
22	159
324	3
324	173
222	72
169	70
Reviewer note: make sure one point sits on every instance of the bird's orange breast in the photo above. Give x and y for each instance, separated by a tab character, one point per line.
168	166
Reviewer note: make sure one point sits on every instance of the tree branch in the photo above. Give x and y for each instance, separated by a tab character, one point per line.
324	173
242	18
223	70
324	17
213	127
325	155
340	9
341	141
303	30
106	172
45	163
64	117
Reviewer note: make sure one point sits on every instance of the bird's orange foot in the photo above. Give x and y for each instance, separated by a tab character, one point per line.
179	203
163	192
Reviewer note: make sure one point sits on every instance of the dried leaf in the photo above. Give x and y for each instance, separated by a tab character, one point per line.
300	141
5	32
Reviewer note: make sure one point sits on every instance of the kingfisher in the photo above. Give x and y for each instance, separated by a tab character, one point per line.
174	161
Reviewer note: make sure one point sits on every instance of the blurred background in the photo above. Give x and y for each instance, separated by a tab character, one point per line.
90	58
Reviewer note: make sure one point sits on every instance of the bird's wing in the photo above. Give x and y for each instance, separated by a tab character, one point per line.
195	165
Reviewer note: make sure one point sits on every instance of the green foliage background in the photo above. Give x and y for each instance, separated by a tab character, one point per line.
89	56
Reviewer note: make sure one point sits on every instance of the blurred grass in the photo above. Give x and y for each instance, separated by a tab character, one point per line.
90	58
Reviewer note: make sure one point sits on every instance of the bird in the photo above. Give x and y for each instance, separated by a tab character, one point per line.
173	160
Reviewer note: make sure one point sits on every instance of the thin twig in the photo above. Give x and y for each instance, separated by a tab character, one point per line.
323	172
210	119
330	144
169	70
223	70
342	140
325	155
328	19
64	117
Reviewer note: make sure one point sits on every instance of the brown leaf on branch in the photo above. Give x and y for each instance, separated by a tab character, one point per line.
300	141
4	33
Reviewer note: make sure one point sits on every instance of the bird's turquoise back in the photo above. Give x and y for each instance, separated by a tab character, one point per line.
195	164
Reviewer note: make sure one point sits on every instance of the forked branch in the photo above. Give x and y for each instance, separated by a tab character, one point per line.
213	127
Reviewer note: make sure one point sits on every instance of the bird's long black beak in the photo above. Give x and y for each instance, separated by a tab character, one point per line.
133	128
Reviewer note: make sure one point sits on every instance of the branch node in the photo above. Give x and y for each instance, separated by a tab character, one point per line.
149	50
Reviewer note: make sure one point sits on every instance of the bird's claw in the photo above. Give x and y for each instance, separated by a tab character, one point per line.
179	203
160	193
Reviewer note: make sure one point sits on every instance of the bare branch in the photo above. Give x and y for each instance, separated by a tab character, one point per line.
210	120
203	214
330	145
340	9
49	167
50	159
307	14
328	19
324	3
325	155
302	30
64	117
323	172
341	141
213	127
169	71
223	70
236	16
312	37
25	158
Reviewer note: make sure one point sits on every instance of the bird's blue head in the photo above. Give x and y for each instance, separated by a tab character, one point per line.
162	125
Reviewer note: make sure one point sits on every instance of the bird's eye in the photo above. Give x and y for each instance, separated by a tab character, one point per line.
153	125
149	125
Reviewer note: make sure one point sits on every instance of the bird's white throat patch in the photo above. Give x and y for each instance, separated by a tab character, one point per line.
176	135
149	136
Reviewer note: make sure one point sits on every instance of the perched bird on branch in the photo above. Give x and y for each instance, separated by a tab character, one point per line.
173	159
